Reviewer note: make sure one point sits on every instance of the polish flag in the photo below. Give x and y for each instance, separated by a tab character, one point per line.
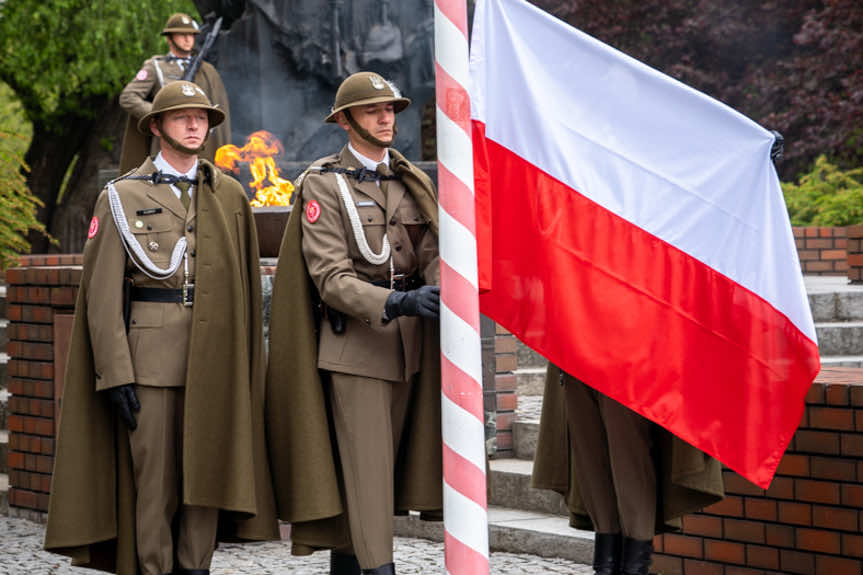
633	231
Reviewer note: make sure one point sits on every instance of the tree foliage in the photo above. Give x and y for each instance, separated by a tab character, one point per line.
59	54
17	204
793	65
826	196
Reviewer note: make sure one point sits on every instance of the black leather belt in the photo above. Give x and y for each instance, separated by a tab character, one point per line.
402	283
185	295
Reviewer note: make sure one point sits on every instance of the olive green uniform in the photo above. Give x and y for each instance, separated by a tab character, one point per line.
372	364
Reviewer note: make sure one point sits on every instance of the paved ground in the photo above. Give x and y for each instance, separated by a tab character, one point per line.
21	554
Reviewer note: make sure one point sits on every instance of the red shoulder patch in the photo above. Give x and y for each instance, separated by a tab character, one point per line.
141	75
94	228
313	211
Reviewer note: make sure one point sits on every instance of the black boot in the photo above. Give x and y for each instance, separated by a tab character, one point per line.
636	556
343	564
388	569
182	571
606	553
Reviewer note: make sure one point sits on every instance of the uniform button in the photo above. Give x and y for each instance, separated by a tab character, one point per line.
193	253
190	228
392	221
134	322
370	218
398	248
149	227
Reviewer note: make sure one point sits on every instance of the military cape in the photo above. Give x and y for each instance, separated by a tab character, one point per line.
300	437
136	146
687	479
91	515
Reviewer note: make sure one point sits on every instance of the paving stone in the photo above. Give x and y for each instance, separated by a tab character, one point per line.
21	552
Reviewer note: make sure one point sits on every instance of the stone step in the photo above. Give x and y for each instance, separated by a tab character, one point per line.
4	451
832	299
525	432
840	338
842	361
509	485
529	380
516	531
4	494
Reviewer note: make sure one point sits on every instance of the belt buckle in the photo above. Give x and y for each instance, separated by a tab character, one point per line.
187	294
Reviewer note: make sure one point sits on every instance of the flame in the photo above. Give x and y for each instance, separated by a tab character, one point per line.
259	153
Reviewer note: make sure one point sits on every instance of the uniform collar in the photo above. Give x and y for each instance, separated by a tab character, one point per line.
367	162
163	166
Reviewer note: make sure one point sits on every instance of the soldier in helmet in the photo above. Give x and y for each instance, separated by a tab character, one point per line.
137	97
161	444
361	247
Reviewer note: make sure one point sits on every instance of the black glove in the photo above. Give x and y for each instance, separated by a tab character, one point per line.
424	302
125	402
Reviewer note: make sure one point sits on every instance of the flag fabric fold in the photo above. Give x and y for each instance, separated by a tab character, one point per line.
633	231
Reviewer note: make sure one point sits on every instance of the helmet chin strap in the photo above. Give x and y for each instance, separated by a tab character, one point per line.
365	135
177	145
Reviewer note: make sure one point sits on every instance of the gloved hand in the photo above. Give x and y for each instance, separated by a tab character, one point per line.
424	302
125	402
778	147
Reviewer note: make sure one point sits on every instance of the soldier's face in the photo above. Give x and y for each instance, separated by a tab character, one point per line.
377	119
183	42
187	127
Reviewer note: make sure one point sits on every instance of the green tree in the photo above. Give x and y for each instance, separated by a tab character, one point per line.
67	60
826	196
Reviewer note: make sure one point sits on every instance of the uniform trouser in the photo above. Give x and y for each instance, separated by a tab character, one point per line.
157	449
611	447
369	416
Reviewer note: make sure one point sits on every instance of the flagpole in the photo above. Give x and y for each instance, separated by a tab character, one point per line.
464	492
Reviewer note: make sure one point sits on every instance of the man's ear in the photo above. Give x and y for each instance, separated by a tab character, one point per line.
343	122
154	128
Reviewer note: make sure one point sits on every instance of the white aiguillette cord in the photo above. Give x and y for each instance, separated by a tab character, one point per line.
135	250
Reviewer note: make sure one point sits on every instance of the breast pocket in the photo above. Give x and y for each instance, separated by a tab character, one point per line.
374	223
157	235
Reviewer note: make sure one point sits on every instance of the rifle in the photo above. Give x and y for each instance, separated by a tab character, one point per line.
205	47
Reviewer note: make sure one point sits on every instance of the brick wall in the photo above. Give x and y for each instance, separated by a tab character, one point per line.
810	519
505	364
39	290
822	250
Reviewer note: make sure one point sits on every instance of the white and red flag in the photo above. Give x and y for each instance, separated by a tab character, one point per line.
633	231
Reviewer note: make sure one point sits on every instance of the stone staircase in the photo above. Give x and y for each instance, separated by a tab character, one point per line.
4	403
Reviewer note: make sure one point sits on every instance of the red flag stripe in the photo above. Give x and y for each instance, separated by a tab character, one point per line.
461	559
460	388
455	12
596	282
452	99
464	477
459	295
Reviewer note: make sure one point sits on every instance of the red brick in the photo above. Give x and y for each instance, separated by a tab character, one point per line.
836	565
852	495
810	232
667	565
851	444
840	266
798	231
799	243
507	401
504	344
781	488
737	570
65	296
834	518
779	535
855	260
858	419
731	506
739	486
30	369
504	421
820	244
30	313
822	442
15	460
658	543
741	530
30	332
675	544
852	544
818	540
22	498
500	330
833	254
505	363
796	562
808	256
794	464
838	394
702	567
856	395
504	440
825	232
30	350
758	508
819	266
795	513
816	392
704	525
724	551
505	382
31	387
816	491
760	556
831	418
834	468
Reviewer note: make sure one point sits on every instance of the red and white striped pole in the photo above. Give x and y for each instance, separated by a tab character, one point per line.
465	517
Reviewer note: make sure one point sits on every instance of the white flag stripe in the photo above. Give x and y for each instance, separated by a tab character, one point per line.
458	247
708	190
465	520
451	48
463	432
458	345
458	156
